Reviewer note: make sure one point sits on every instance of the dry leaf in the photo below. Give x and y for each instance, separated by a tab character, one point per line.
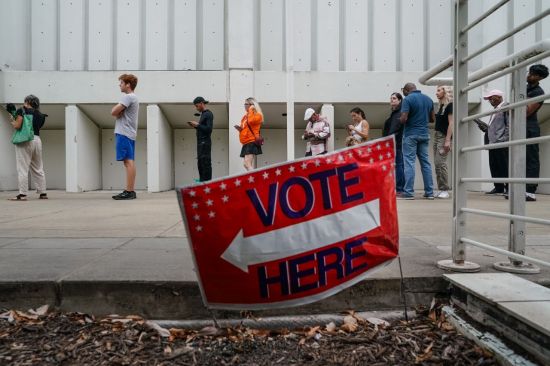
311	332
160	330
350	324
40	311
331	327
209	331
377	321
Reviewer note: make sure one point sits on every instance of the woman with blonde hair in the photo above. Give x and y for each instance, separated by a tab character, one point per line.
443	137
249	132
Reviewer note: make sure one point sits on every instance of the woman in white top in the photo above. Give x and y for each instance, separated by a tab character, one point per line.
358	131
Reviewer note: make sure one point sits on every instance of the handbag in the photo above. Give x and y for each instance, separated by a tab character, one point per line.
26	132
258	140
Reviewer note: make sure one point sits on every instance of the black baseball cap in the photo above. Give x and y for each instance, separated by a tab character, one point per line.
198	100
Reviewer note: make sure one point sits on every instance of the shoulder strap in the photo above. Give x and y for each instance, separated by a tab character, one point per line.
253	134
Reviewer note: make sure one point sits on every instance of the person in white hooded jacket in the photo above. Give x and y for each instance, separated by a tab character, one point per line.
316	133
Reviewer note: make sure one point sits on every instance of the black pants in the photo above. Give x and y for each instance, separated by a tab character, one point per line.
532	159
204	160
498	163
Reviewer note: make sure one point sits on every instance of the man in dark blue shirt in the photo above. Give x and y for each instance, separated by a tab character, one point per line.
204	142
536	74
416	111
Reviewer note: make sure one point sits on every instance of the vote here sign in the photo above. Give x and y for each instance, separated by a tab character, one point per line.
295	232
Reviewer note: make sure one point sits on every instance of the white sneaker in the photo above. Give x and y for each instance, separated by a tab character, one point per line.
443	194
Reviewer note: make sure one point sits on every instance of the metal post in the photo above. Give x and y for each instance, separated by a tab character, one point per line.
516	169
289	42
460	139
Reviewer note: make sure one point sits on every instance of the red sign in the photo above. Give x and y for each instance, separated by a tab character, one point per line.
295	232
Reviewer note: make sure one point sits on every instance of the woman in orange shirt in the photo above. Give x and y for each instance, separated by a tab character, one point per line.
249	130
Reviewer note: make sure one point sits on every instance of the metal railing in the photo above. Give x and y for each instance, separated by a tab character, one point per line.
514	65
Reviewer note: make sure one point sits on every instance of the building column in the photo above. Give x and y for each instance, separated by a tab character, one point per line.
83	151
160	157
327	110
241	86
8	171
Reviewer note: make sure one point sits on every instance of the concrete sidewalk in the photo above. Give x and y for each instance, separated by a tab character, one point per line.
87	252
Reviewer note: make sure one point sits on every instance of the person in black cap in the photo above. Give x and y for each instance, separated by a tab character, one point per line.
536	74
204	142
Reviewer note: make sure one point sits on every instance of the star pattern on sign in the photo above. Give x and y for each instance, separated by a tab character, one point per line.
225	199
371	160
304	165
384	168
388	154
196	217
209	203
195	205
350	154
211	214
380	157
207	190
223	186
341	158
378	147
251	179
359	152
328	160
199	228
369	150
387	144
265	175
192	193
278	172
291	169
237	182
317	162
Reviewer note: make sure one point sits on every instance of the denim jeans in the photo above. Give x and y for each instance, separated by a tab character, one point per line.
414	146
399	172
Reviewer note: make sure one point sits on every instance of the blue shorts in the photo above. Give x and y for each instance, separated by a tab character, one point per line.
125	147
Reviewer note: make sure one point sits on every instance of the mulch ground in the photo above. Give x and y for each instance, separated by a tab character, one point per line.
39	337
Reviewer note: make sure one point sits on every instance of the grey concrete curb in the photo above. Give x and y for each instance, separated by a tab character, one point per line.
182	300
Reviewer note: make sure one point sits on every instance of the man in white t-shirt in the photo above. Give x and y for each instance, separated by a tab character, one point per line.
126	113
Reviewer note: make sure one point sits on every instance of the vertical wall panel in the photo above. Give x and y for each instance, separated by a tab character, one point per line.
439	38
524	10
15	42
384	37
271	35
302	34
356	26
100	34
185	35
328	35
128	21
156	37
242	33
213	47
44	45
71	35
412	35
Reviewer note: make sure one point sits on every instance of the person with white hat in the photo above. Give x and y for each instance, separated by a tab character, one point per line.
497	130
316	133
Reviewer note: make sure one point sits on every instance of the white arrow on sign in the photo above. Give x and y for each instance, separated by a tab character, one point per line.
302	237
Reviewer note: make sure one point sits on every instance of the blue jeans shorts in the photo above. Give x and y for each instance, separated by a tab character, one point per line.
125	147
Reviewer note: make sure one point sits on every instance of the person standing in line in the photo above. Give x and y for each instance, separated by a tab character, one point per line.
316	133
28	155
416	112
204	140
393	126
442	138
249	130
497	130
535	75
126	124
358	132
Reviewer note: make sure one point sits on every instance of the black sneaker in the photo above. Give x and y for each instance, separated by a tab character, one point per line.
125	195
